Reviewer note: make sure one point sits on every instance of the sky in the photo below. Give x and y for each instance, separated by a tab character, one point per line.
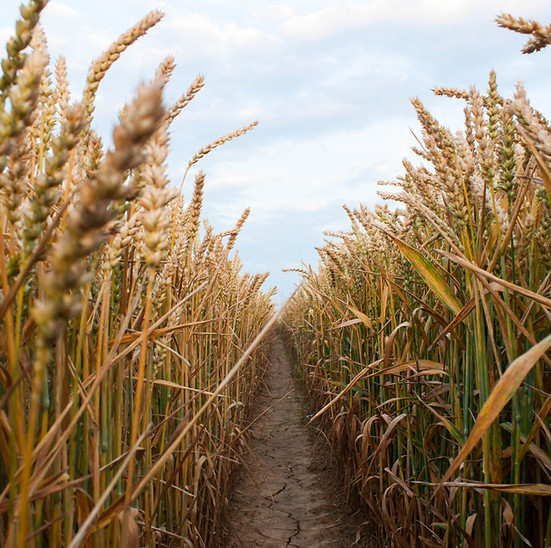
330	83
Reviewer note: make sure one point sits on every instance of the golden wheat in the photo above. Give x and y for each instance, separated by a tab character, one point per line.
424	335
123	376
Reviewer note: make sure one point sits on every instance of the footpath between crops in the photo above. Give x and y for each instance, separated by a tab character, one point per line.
288	492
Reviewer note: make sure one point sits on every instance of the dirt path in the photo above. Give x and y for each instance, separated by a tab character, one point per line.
289	494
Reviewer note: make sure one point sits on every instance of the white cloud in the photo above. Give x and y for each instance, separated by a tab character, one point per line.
201	34
274	12
196	29
336	19
313	176
60	10
248	37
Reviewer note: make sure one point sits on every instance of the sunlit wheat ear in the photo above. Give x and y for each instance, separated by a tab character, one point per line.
531	126
44	123
45	191
153	213
123	239
220	141
257	281
13	180
193	211
62	95
90	158
228	275
434	139
165	70
186	98
235	232
508	157
16	44
206	244
541	35
298	270
481	136
493	103
452	92
101	65
23	96
164	276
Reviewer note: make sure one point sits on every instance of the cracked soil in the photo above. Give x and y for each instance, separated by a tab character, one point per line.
289	493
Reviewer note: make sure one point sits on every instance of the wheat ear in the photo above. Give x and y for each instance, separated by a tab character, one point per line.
102	64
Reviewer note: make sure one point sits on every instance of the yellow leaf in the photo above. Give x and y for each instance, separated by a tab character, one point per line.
361	316
536	489
347	323
430	275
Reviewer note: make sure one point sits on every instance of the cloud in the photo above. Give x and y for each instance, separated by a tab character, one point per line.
207	38
248	37
289	177
336	19
274	12
60	10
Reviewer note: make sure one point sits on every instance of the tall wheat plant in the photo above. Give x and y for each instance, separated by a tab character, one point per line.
129	338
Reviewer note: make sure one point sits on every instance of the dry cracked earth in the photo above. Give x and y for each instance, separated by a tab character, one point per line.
289	493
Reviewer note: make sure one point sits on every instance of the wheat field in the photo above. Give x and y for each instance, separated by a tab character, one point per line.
131	340
424	336
132	344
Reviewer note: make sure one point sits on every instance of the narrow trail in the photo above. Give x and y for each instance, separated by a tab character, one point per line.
288	493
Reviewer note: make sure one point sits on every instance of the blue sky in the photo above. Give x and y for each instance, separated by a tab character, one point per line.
329	82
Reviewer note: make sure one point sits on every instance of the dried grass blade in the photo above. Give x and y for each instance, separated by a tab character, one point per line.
534	489
361	316
358	377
